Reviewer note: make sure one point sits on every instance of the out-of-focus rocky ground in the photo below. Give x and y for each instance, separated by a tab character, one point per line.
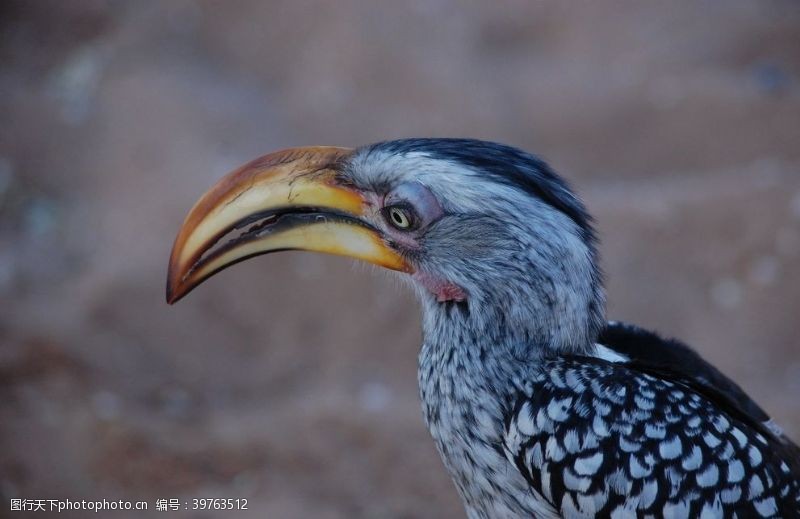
290	380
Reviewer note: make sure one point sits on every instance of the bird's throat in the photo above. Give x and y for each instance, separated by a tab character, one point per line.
441	289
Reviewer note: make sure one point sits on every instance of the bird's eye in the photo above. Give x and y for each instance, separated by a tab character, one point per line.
400	217
410	207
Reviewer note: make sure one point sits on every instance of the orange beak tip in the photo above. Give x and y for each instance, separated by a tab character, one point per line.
170	294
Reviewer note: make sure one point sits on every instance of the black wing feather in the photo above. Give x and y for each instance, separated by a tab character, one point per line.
673	360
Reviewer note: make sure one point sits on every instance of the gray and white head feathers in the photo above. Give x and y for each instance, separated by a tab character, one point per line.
513	236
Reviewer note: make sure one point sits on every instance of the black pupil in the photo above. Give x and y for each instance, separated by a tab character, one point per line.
398	218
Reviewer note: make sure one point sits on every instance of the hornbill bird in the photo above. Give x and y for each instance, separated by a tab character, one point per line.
538	406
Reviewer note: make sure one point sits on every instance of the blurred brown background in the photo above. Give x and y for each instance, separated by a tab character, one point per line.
290	380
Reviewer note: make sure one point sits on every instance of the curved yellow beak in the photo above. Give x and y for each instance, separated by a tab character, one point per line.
287	200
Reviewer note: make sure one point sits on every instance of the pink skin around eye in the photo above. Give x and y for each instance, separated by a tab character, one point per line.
377	202
428	210
425	205
421	199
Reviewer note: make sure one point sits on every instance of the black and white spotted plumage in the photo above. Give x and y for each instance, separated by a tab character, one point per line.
595	437
537	405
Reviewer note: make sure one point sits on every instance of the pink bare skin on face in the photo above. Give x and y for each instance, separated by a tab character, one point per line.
426	210
442	289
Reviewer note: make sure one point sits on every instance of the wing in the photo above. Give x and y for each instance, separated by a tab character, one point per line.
597	438
646	348
671	359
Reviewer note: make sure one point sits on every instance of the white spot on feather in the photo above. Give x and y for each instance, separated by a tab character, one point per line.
591	503
543	423
727	452
766	507
679	509
756	487
693	460
589	465
638	469
568	508
676	394
601	407
643	403
649	494
619	482
731	495
599	426
629	445
755	456
572	441
536	456
735	471
574	381
590	441
740	437
553	450
711	510
623	511
773	427
525	421
708	477
609	355
711	440
576	483
671	449
721	423
655	431
557	409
